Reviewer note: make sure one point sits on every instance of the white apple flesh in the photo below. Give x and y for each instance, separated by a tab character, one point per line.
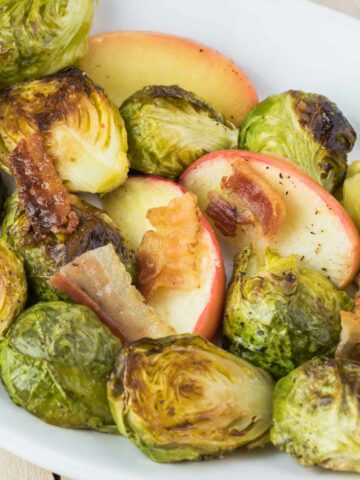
316	226
195	311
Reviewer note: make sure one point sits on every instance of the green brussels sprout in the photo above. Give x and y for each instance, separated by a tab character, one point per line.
55	361
351	192
182	398
278	314
306	128
83	131
38	37
43	259
13	286
316	416
168	128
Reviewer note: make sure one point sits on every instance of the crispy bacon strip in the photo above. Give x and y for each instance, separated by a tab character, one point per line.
169	256
225	216
349	346
246	199
41	191
99	280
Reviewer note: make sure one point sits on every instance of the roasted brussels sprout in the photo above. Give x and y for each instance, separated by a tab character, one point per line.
182	398
278	314
44	258
304	127
38	37
316	416
55	361
13	287
168	128
3	192
351	192
82	130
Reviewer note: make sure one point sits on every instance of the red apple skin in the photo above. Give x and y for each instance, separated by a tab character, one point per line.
209	320
293	169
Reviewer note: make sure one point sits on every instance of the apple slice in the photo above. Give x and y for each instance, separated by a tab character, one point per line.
316	227
124	62
198	310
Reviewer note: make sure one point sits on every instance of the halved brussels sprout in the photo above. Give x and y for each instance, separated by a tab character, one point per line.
44	258
351	192
38	37
83	131
278	314
55	361
13	287
306	128
182	398
316	416
168	128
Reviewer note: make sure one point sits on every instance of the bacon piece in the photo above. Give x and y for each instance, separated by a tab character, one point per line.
225	216
349	345
169	256
99	280
41	191
246	199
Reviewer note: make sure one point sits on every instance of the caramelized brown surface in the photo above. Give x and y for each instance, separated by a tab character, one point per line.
225	216
168	255
41	191
246	199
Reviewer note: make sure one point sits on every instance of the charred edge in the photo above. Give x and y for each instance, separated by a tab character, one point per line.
92	232
117	385
70	80
176	93
325	121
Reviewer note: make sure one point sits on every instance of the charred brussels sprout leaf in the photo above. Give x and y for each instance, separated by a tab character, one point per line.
306	128
44	258
38	37
182	398
13	287
55	361
168	128
278	315
316	416
83	131
351	192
